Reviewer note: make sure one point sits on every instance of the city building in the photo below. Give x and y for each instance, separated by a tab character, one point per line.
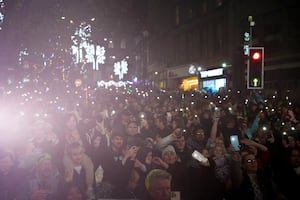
217	35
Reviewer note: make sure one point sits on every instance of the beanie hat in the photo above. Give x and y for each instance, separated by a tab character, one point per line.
169	148
43	157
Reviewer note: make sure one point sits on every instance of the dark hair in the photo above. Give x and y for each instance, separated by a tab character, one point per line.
142	153
134	141
179	121
117	132
74	145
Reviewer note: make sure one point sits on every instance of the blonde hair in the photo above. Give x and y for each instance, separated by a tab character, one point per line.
155	174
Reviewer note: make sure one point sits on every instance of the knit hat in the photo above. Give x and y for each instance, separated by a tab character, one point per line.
169	148
43	157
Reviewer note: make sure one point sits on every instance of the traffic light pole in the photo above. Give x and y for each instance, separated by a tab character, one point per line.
251	24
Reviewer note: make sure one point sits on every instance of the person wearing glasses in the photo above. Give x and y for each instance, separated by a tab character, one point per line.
255	184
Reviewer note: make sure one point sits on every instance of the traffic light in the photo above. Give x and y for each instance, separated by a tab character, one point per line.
255	68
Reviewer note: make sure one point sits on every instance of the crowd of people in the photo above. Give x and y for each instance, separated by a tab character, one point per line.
161	145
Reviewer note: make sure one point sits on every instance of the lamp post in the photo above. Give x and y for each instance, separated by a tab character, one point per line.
199	78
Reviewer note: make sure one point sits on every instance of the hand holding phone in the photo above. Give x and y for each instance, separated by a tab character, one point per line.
234	140
198	156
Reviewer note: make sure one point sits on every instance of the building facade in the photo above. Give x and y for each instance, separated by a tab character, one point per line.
208	34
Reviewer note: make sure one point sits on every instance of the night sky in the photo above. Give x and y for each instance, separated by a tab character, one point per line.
36	23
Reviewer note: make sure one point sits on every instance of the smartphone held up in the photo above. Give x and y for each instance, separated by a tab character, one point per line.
234	140
199	156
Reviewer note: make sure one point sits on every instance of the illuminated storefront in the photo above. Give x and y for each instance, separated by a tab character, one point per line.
192	78
213	80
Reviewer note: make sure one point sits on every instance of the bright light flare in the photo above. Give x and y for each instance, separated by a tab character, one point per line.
11	121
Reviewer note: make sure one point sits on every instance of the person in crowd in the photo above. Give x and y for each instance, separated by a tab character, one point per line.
202	179
46	182
130	191
206	121
260	151
229	127
183	152
162	142
192	122
161	127
178	171
158	185
222	162
69	132
13	180
255	184
294	159
122	155
117	162
198	139
121	120
177	122
132	128
143	164
96	139
146	125
43	140
264	135
287	174
213	140
290	141
79	169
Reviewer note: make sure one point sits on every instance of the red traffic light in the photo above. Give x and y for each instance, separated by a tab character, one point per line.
256	55
255	68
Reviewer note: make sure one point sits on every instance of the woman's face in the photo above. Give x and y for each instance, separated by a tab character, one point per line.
148	158
218	151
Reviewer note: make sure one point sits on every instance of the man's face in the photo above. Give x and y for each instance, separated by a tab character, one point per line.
6	164
117	142
77	155
45	168
250	164
180	143
125	119
295	158
169	157
132	129
161	189
200	135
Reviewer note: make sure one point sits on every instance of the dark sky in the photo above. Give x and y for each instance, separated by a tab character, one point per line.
33	22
